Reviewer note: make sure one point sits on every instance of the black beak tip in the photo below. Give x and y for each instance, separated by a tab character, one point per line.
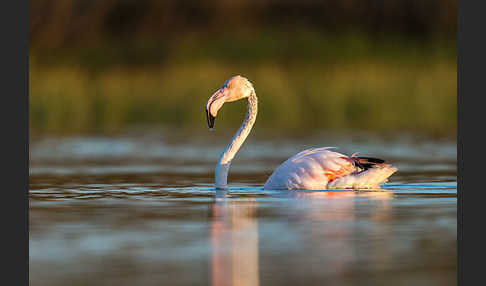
210	119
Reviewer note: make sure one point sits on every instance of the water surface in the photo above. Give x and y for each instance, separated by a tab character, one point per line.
140	209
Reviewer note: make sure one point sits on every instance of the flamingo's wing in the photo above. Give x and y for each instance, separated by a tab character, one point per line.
366	179
310	169
321	168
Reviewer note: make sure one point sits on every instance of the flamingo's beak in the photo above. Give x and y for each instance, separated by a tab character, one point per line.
210	119
214	104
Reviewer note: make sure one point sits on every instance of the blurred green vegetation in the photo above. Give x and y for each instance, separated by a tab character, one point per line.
306	77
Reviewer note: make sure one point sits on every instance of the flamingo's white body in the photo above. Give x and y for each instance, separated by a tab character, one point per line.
312	169
321	168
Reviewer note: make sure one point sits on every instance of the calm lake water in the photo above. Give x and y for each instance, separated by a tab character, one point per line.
140	209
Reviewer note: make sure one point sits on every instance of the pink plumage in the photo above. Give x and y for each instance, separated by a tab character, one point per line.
321	168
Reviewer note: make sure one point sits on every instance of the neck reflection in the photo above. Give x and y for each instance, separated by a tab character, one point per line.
234	241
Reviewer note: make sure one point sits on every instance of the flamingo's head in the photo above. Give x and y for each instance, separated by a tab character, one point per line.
234	88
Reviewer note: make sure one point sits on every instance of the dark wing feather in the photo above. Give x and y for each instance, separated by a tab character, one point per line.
367	162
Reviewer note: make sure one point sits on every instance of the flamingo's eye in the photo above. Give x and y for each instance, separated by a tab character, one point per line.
225	84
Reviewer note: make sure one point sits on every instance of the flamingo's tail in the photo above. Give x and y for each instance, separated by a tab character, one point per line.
370	174
374	176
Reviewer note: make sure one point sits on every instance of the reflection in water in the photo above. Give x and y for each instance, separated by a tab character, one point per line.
234	233
138	214
338	226
234	241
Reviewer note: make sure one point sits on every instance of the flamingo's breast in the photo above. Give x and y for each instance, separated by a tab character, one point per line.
310	169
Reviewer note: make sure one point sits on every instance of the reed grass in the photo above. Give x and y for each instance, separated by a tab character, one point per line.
311	82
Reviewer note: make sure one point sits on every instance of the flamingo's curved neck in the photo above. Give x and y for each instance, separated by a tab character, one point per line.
222	168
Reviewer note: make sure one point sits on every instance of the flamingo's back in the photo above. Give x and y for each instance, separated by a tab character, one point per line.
321	168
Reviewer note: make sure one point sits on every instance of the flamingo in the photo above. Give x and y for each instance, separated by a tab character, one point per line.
311	169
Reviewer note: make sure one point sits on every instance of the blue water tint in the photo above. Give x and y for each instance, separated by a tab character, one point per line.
139	211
